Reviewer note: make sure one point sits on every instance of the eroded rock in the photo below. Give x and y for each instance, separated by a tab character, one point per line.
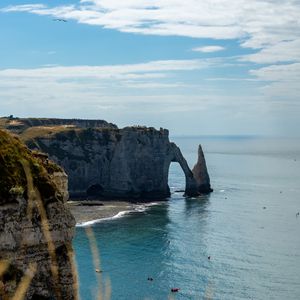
36	227
201	174
106	162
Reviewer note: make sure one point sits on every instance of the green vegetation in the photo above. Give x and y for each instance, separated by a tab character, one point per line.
12	176
17	191
3	122
43	131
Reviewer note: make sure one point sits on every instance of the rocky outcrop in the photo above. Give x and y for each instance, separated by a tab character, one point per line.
129	163
36	227
60	179
201	174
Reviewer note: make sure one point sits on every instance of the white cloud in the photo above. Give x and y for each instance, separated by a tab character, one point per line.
153	69
270	27
154	85
130	88
282	81
258	22
208	49
24	7
283	51
286	72
94	83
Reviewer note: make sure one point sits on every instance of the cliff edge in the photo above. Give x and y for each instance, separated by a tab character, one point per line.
36	227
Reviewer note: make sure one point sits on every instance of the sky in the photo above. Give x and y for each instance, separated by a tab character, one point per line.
209	67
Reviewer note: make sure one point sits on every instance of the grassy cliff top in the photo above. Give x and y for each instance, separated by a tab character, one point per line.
13	181
43	131
32	129
19	125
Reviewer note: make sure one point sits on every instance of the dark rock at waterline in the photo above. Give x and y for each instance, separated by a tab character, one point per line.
179	191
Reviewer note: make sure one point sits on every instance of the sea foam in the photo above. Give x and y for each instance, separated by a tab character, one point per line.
137	209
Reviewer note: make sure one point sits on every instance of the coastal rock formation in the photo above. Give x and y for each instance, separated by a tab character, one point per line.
129	163
200	173
191	187
36	227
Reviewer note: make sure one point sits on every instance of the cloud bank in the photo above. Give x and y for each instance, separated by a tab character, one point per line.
270	27
257	23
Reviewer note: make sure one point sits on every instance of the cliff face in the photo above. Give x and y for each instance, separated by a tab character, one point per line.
127	163
104	161
36	227
130	163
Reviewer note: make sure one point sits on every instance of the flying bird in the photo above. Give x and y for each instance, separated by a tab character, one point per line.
60	20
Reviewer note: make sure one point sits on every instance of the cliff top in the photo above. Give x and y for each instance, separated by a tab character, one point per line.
19	125
13	154
30	128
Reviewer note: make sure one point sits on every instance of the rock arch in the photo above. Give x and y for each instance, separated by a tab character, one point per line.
190	182
130	163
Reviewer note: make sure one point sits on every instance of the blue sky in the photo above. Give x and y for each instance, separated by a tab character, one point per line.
195	67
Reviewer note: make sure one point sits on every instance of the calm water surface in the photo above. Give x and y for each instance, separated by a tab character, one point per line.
248	226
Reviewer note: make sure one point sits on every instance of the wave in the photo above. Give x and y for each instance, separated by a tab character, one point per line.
137	209
92	222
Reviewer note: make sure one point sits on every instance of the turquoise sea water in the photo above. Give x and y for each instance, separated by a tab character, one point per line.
248	226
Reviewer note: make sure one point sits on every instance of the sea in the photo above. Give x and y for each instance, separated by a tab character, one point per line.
240	242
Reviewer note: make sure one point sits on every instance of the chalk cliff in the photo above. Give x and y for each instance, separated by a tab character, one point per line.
201	174
36	227
104	161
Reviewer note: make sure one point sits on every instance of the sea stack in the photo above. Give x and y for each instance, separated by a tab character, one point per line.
201	174
36	227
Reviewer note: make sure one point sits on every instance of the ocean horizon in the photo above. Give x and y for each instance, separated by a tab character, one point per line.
247	227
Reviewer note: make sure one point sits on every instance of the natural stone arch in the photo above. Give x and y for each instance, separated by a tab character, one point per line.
190	182
176	178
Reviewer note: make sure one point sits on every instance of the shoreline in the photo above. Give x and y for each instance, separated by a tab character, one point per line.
87	213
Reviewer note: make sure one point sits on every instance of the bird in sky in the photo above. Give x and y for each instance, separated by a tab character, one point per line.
60	20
